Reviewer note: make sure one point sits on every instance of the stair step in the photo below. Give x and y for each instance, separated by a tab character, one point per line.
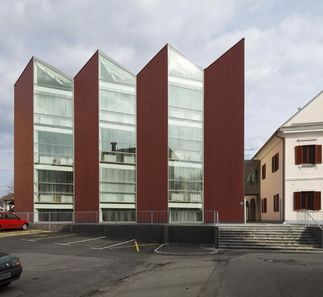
269	242
267	237
296	248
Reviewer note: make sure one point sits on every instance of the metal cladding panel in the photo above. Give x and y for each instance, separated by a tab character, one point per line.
23	141
86	131
152	127
224	135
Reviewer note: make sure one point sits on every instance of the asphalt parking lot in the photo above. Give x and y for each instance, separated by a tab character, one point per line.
61	264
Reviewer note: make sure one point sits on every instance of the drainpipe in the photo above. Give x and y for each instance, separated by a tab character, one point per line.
282	213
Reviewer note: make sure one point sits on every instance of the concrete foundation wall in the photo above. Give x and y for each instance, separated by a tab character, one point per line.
161	233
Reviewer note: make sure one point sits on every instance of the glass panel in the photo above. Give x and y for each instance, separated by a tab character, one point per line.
179	66
184	132
185	145
117	175
119	215
117	102
179	155
110	71
55	144
185	98
179	185
52	105
182	196
118	188
187	114
118	140
117	198
50	181
55	121
47	77
55	215
185	173
185	215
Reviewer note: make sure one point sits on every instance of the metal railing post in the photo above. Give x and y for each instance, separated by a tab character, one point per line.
151	217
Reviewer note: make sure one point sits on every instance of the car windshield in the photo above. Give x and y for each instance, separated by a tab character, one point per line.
11	216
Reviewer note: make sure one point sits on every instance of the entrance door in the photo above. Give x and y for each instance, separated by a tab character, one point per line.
252	210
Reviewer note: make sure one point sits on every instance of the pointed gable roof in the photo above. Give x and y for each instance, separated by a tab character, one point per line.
309	114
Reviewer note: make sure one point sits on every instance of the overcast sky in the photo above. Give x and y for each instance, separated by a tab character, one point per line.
284	48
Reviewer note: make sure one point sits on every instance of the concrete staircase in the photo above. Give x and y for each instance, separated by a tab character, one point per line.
267	236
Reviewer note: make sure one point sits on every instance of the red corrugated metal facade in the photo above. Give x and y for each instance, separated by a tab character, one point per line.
23	141
152	126
86	135
224	135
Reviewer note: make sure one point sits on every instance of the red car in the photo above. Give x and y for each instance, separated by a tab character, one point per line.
9	220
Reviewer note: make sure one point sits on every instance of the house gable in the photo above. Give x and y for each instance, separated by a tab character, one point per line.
311	113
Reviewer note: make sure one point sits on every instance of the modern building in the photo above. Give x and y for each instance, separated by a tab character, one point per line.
291	166
44	142
162	146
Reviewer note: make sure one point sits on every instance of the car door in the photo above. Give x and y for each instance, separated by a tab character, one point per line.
13	221
3	221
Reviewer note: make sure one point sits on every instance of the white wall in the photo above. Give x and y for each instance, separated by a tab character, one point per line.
300	177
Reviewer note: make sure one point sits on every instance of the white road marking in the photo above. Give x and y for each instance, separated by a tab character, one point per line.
111	246
19	233
156	250
50	237
79	241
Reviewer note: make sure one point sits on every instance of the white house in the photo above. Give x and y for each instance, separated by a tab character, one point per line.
291	166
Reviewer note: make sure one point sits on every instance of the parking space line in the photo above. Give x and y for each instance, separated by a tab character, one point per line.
112	245
131	246
79	241
50	237
19	233
156	250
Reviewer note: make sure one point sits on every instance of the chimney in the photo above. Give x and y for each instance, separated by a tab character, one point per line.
114	146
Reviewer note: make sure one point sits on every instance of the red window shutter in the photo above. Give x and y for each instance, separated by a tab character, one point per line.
263	171
297	200
298	155
317	200
318	154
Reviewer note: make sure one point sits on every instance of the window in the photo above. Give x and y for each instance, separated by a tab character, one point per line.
275	163
11	216
263	171
307	200
252	177
276	202
264	205
308	154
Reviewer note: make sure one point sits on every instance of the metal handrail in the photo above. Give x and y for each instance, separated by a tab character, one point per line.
315	222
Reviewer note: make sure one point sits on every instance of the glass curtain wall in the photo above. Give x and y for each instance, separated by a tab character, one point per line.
117	114
53	143
185	139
